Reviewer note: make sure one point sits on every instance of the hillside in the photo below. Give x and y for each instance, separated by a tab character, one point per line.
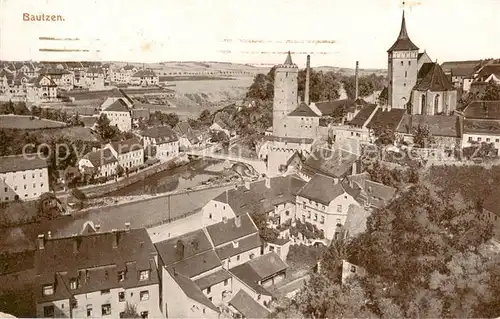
349	71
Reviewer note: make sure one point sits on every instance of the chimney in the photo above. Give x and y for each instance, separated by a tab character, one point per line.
115	238
268	182
179	248
356	81
308	75
237	221
75	245
97	228
127	226
247	184
41	241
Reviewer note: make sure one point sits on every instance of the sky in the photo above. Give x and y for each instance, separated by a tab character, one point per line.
334	32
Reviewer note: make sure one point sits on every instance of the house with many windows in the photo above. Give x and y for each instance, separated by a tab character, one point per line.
161	141
129	153
118	112
23	177
100	163
96	274
145	78
481	124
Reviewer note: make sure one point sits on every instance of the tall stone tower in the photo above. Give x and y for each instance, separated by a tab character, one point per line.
402	68
285	95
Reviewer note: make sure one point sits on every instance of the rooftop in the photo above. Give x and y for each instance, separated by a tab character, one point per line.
259	198
144	73
489	69
247	306
182	247
192	291
230	230
267	265
431	77
333	163
249	277
197	264
16	163
355	222
403	42
481	126
439	125
245	244
387	119
101	157
363	115
486	110
380	191
213	279
303	110
117	106
162	134
130	145
324	189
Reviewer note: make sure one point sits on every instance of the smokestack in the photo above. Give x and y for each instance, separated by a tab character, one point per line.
308	75
41	241
356	81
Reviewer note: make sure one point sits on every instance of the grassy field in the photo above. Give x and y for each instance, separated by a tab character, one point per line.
27	123
194	78
72	133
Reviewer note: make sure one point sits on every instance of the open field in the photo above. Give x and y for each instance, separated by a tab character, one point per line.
72	133
27	122
193	78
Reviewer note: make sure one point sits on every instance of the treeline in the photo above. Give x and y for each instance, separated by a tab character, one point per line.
20	108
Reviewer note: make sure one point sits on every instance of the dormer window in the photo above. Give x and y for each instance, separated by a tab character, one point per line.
48	290
235	244
73	284
121	276
144	275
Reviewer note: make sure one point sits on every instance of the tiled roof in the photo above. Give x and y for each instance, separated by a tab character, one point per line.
487	110
213	279
130	145
184	129
41	77
387	119
245	244
481	126
129	67
403	42
193	243
192	291
247	306
460	68
333	163
267	265
322	189
259	198
488	70
439	125
380	191
144	73
329	107
359	179
431	77
228	231
101	157
95	261
363	115
117	106
17	163
303	110
249	276
120	93
197	264
162	134
95	71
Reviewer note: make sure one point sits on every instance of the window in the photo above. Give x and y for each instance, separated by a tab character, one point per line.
25	186
322	220
5	189
339	208
470	138
406	74
72	284
497	140
144	275
315	217
121	296
479	139
210	298
41	185
48	290
401	63
41	174
487	139
121	276
48	311
339	223
209	290
409	62
105	309
226	281
144	295
353	268
24	176
33	175
238	258
105	291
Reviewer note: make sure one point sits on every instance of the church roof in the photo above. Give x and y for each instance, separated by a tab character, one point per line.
403	42
431	77
303	110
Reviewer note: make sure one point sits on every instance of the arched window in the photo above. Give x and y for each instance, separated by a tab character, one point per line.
422	104
436	104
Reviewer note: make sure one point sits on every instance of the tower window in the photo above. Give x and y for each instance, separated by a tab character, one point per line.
286	74
406	74
409	62
404	84
401	63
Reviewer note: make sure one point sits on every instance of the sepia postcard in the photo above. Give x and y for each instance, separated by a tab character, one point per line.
249	159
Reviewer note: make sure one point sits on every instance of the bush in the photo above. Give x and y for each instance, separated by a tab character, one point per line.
307	229
302	254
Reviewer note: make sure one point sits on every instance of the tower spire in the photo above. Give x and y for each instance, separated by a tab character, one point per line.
288	60
403	34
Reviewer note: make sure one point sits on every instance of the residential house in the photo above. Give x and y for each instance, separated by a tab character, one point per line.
336	163
100	163
242	305
258	274
462	73
130	153
272	196
433	93
94	79
164	141
445	130
350	270
96	275
219	126
188	137
29	70
481	123
64	79
43	89
324	202
145	78
489	72
123	75
23	177
356	126
118	114
280	245
235	240
386	119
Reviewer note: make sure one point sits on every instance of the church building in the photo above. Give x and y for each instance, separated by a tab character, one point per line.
295	124
417	84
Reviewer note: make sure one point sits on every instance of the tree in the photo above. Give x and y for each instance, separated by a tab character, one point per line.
130	311
385	135
492	92
120	170
104	129
422	136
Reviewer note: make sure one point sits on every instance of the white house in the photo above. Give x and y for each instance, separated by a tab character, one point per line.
164	140
118	113
23	177
94	79
43	89
145	78
324	202
102	163
130	153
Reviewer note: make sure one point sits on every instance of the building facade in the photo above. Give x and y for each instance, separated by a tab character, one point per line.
23	177
164	141
129	153
118	114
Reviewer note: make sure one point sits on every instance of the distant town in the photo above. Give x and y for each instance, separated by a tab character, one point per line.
218	190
